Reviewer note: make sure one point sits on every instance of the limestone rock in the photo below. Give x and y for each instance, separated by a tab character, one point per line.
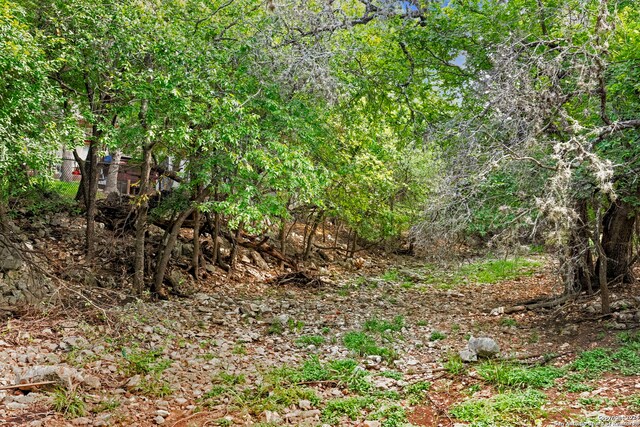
61	375
467	355
484	347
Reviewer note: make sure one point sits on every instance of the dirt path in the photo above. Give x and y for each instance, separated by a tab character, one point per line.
221	355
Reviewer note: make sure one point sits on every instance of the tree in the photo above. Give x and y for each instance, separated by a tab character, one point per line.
26	130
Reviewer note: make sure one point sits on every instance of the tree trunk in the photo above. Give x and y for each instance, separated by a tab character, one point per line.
91	189
141	221
233	257
166	246
81	193
195	260
112	177
602	264
283	240
580	254
617	233
311	235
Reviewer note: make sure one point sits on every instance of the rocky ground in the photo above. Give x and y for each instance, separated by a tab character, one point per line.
362	349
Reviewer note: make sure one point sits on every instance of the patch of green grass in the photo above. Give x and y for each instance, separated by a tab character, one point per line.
593	402
239	349
454	365
594	361
509	322
382	326
364	345
106	405
408	285
437	335
634	402
351	407
347	372
505	374
493	271
154	385
231	379
392	374
295	326
391	275
519	408
577	383
422	323
390	416
142	362
306	340
275	328
416	392
68	403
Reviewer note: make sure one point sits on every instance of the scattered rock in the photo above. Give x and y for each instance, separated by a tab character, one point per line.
133	382
158	420
468	356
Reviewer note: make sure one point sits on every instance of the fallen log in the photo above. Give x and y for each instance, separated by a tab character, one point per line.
297	278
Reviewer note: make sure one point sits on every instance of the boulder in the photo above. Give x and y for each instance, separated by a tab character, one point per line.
60	375
483	347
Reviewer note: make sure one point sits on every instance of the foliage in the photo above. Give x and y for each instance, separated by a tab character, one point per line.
69	403
144	361
364	345
504	374
519	408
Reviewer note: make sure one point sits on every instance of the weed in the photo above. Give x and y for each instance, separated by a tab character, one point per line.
502	410
382	326
505	374
493	271
576	384
509	322
391	416
275	328
593	361
392	374
422	323
634	402
593	402
455	328
351	407
153	385
472	389
231	379
408	285
533	338
437	335
629	337
454	365
306	340
68	403
239	349
325	330
391	275
295	326
105	406
144	362
364	345
416	392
